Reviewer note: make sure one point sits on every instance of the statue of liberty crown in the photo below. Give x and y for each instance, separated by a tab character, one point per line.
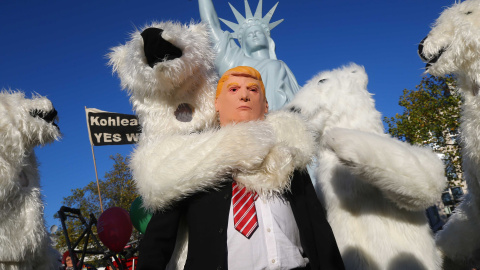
250	20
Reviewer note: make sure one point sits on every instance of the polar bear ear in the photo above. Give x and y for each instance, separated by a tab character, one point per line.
354	68
358	72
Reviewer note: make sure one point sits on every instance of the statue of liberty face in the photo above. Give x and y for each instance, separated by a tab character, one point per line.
254	39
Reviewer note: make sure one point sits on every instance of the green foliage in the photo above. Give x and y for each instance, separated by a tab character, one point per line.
117	189
431	117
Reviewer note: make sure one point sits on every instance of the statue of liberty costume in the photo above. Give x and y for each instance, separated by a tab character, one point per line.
257	49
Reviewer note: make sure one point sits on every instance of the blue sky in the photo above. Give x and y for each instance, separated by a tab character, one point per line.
57	48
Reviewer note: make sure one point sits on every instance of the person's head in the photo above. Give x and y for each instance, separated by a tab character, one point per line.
67	260
240	96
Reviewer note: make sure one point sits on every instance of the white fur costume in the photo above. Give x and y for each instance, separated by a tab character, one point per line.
24	241
375	188
157	92
174	159
453	46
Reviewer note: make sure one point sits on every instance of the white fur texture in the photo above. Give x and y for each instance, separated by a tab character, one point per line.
156	92
174	159
24	241
375	188
261	155
457	33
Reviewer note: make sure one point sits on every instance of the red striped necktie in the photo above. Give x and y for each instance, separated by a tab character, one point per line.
244	213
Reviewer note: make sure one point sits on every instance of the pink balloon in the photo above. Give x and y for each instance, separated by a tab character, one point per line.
114	228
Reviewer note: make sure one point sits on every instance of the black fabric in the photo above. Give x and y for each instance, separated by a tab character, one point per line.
307	267
158	49
316	234
206	215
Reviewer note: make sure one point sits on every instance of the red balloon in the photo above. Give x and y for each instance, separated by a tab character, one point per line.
114	228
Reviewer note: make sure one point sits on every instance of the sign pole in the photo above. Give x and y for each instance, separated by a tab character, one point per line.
96	175
95	165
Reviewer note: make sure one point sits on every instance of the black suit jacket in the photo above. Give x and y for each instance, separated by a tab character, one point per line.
206	214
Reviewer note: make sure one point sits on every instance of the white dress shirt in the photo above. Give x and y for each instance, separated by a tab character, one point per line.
274	245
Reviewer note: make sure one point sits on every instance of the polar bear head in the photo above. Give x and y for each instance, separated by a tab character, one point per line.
338	98
167	69
453	44
24	124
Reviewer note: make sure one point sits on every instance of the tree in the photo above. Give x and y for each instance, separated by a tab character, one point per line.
431	117
118	189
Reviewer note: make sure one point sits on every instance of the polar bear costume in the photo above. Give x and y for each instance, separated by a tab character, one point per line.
24	124
375	188
453	46
168	71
